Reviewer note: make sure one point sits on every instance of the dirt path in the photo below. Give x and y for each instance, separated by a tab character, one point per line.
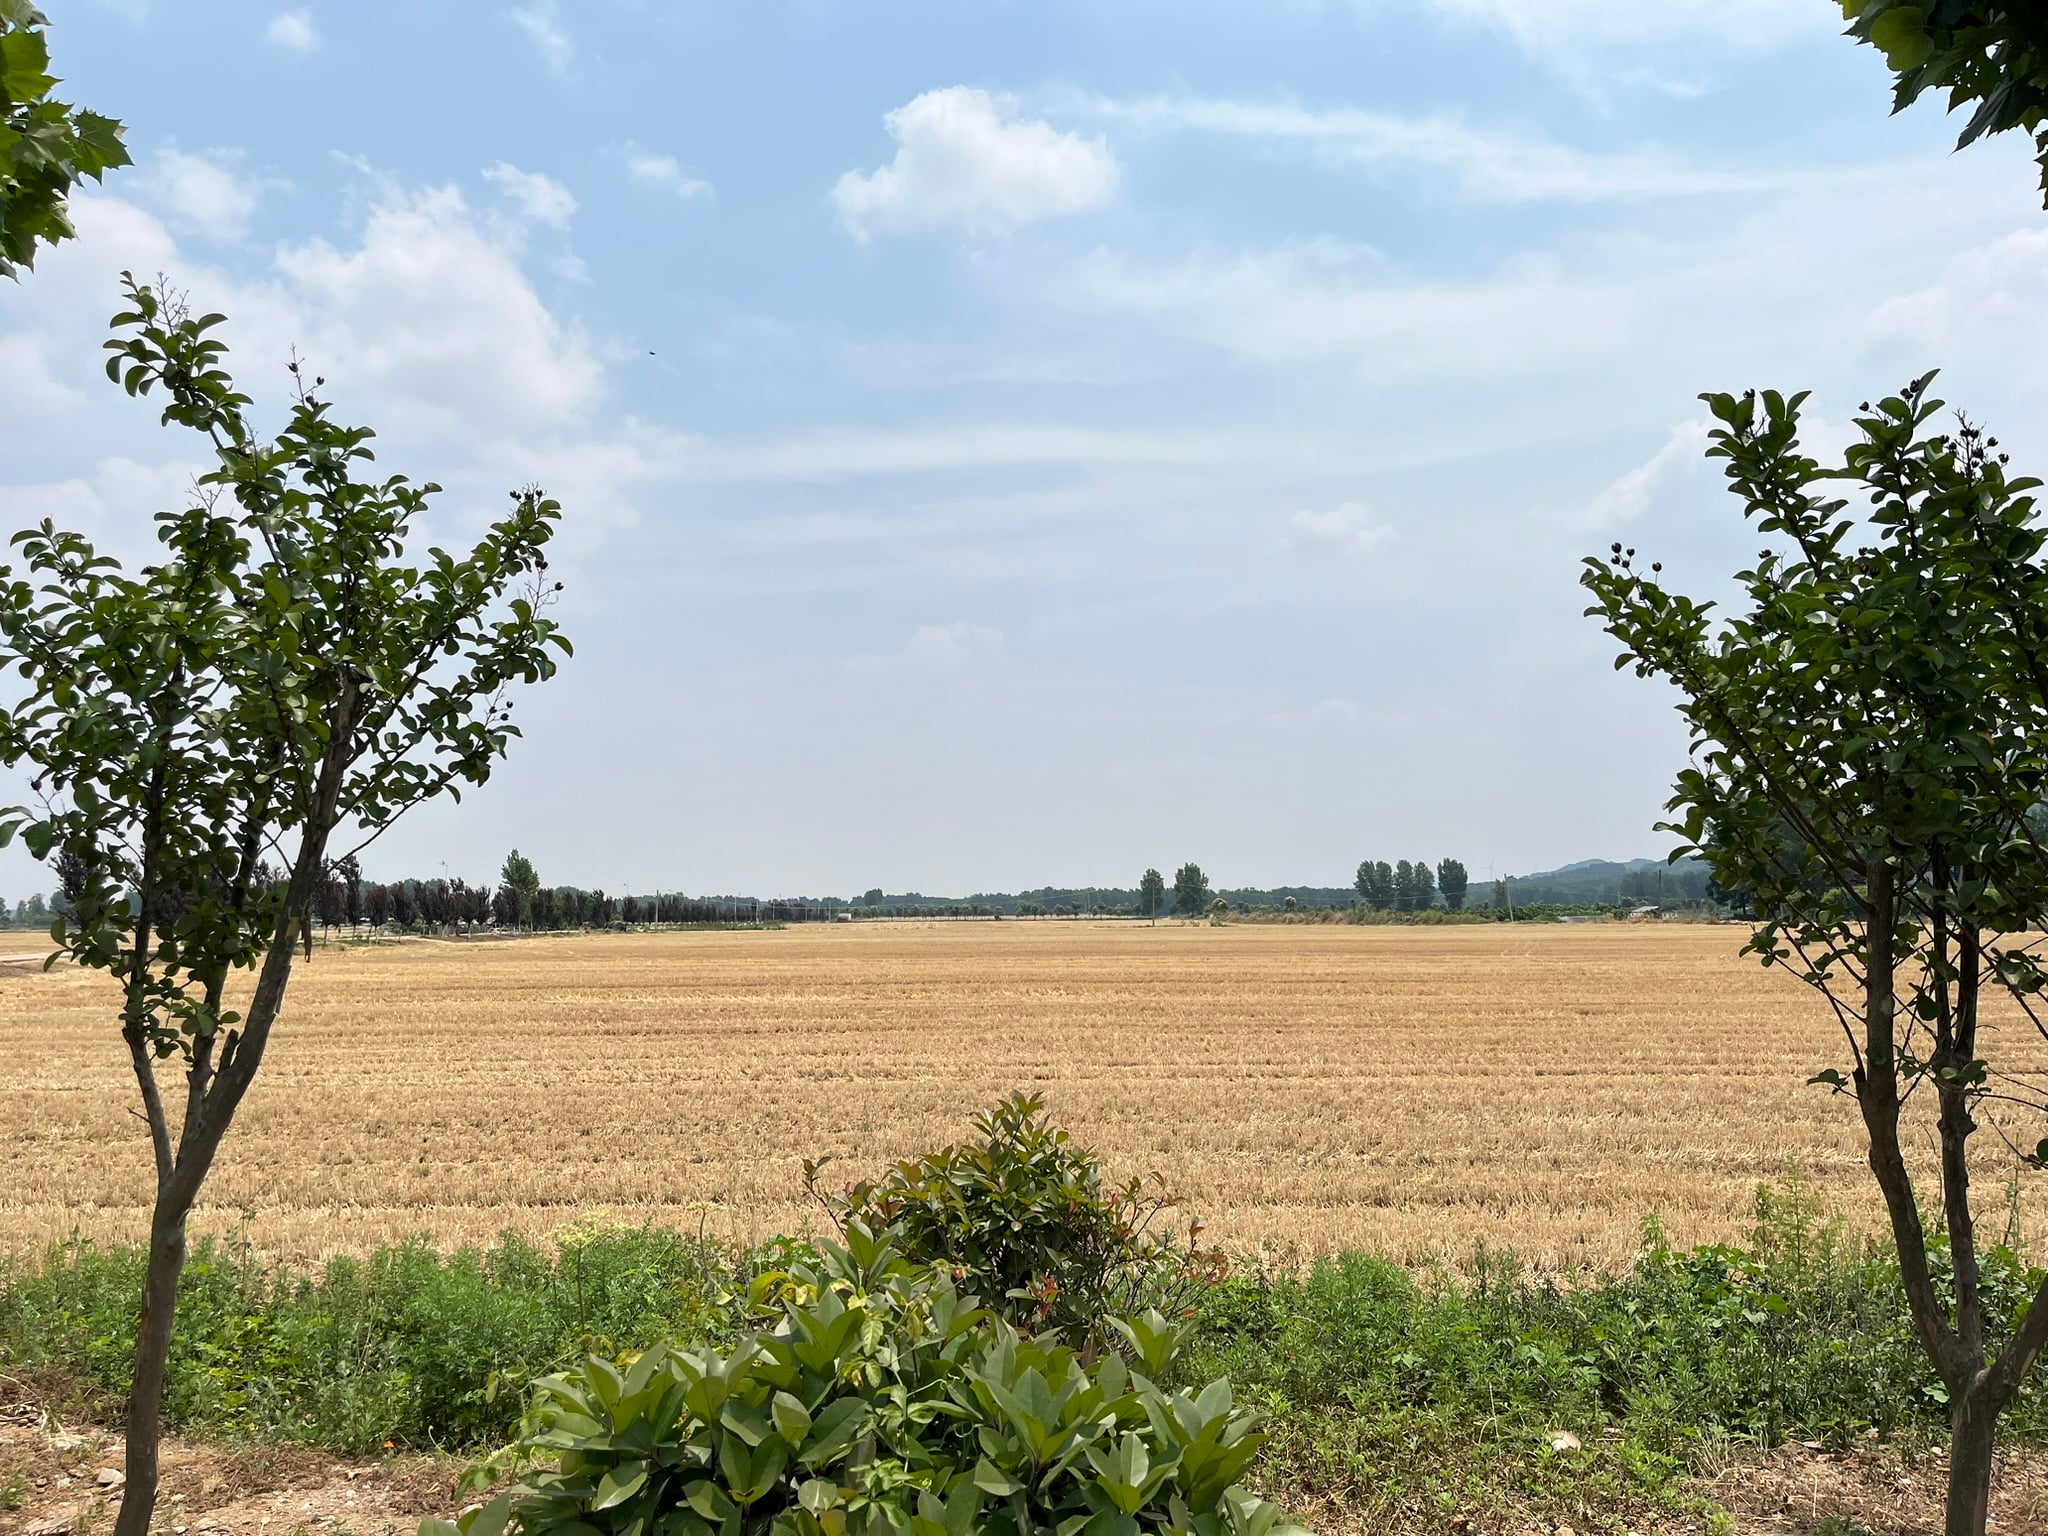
61	1481
57	1480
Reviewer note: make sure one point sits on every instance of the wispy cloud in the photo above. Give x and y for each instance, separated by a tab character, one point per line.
1998	289
542	22
836	454
539	199
664	171
1497	164
1632	493
1350	528
213	194
937	648
1664	45
293	31
1325	300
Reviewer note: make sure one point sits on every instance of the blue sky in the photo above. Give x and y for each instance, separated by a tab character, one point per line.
1009	444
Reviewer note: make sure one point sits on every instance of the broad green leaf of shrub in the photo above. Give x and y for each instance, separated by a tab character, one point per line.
877	1398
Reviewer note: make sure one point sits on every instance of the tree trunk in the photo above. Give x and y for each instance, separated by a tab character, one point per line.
1969	1462
209	1113
152	1352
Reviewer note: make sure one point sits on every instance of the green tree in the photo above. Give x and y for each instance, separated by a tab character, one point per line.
1404	887
1152	894
1190	891
873	898
1988	54
277	673
1382	885
1287	904
1882	692
518	876
1453	881
1364	883
46	146
1425	886
1218	910
1502	901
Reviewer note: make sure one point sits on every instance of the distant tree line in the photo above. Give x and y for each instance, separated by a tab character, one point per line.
520	901
1410	886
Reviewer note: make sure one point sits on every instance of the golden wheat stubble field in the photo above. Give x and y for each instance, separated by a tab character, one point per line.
1302	1088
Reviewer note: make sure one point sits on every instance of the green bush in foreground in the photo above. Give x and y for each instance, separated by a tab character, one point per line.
874	1397
1024	1218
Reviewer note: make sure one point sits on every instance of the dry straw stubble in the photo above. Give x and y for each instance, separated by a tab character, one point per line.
1304	1088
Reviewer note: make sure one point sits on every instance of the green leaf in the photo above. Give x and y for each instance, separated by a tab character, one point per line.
990	1479
710	1501
1901	35
620	1484
489	1520
792	1420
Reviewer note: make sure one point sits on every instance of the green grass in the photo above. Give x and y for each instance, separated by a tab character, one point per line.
1386	1390
410	1348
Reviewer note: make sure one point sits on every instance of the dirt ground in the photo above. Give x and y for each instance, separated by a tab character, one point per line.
1870	1492
57	1480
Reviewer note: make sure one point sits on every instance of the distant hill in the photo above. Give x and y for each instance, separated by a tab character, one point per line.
1606	882
1591	865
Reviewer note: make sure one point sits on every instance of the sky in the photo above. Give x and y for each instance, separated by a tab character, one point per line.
1007	444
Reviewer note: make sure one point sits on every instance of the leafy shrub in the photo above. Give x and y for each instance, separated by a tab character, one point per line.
1024	1219
882	1399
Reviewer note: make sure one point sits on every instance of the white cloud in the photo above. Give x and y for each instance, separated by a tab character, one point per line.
933	650
212	194
293	31
422	321
1545	25
951	645
114	505
663	171
1630	496
835	454
27	381
1350	527
1323	299
1999	289
542	22
1598	44
964	160
431	308
1505	165
541	199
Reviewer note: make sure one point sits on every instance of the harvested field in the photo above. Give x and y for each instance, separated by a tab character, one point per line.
1304	1088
